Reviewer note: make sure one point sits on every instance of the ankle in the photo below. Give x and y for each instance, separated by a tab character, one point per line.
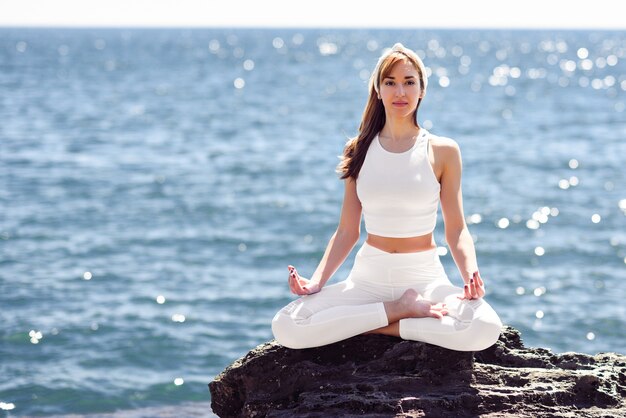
396	310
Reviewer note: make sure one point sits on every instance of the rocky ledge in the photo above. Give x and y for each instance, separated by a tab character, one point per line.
375	375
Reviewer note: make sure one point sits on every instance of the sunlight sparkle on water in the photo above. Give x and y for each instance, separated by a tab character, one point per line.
539	314
441	251
179	381
586	65
540	251
595	218
278	43
503	223
87	275
178	318
6	406
520	290
532	224
35	336
568	66
582	53
541	216
214	46
591	336
248	65
160	299
327	48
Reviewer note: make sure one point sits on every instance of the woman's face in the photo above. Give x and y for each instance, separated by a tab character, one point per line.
400	90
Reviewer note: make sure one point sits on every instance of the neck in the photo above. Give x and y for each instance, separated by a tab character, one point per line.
399	131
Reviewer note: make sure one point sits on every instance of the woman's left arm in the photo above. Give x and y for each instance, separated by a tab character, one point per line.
457	235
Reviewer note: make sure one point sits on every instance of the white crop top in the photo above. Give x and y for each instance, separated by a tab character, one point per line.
399	192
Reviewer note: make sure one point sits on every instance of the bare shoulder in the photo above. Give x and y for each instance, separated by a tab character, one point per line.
444	143
445	150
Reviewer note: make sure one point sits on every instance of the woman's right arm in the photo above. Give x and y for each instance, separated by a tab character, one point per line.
344	238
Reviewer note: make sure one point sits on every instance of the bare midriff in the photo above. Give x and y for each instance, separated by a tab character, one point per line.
402	245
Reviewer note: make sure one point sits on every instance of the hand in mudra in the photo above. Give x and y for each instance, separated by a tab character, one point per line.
475	289
301	286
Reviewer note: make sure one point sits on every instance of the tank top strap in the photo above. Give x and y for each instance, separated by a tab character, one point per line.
425	139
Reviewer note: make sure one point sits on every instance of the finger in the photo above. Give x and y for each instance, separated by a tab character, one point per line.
298	278
478	279
481	287
475	277
467	293
291	283
294	285
298	287
295	281
472	288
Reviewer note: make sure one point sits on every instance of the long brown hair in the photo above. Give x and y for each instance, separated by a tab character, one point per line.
373	119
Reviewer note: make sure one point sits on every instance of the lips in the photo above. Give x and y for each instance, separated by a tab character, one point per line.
400	103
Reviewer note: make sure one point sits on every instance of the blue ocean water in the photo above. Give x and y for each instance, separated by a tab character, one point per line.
155	184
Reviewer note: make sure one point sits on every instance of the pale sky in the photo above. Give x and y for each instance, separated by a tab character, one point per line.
534	14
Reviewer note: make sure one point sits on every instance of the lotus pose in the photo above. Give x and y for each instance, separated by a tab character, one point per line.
395	174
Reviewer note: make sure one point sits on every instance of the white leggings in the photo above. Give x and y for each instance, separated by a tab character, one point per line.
355	305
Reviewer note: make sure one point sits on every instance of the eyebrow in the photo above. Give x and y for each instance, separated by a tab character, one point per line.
393	78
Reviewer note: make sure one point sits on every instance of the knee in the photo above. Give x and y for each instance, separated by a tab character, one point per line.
285	331
485	332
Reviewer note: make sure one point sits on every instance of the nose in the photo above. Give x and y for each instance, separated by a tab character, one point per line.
400	90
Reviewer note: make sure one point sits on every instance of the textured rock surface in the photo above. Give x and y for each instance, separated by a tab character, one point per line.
375	375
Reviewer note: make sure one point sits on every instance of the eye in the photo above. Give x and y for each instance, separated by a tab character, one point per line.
388	83
411	82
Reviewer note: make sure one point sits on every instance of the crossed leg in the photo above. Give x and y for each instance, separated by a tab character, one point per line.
346	309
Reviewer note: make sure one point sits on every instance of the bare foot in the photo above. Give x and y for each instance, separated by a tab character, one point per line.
421	308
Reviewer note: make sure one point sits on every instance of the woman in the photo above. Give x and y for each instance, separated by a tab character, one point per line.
395	174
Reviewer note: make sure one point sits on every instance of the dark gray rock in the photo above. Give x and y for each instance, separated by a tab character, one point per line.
375	375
